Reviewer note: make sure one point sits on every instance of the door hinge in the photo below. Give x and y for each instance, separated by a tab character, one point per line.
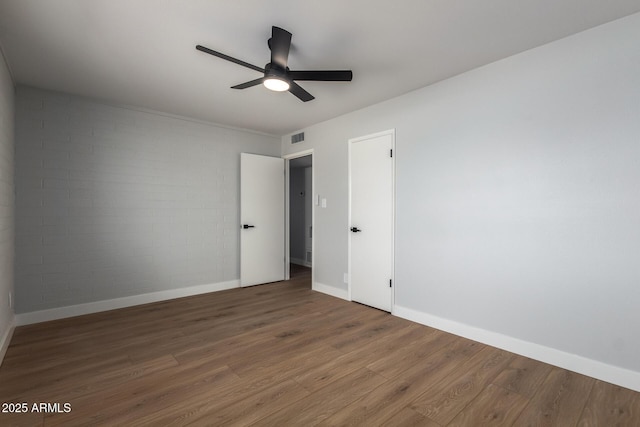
389	282
391	153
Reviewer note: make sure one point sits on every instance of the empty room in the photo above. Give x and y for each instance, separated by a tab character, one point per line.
280	213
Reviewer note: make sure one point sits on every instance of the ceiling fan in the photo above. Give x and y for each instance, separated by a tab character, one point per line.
277	76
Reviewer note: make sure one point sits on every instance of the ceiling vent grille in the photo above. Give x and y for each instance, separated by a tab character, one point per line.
298	137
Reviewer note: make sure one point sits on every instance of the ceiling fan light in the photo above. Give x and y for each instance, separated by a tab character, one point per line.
276	84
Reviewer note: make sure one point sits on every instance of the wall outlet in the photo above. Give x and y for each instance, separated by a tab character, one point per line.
10	299
345	279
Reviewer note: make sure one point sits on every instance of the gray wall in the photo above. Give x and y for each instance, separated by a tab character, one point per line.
114	202
6	199
518	208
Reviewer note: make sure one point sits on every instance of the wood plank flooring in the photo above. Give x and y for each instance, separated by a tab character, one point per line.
283	355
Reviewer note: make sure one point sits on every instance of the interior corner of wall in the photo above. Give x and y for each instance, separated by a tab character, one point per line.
5	338
331	290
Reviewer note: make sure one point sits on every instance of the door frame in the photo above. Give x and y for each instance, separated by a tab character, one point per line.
287	225
391	132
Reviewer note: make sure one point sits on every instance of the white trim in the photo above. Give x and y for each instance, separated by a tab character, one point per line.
6	339
572	362
393	218
349	144
112	304
298	154
330	290
287	233
287	254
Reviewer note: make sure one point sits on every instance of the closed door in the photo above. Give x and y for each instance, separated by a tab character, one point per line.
261	219
371	173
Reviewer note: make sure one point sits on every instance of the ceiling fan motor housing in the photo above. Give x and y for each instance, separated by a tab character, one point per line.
275	71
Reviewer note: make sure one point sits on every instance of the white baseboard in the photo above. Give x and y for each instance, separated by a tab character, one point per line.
331	290
299	261
572	362
6	339
112	304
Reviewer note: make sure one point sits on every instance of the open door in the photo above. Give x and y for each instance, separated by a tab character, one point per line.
261	219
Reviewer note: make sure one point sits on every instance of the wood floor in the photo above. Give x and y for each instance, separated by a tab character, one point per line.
283	355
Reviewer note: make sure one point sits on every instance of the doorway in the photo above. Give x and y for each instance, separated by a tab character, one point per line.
299	198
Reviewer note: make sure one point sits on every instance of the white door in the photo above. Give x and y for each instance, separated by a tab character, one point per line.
261	219
371	172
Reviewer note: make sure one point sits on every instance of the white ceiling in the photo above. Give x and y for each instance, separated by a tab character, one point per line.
142	52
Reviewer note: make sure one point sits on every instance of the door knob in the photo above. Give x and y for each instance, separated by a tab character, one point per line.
355	229
245	226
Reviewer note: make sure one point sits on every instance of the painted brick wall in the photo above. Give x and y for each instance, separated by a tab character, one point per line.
113	201
6	200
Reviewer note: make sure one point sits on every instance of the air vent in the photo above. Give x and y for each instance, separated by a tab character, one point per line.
298	137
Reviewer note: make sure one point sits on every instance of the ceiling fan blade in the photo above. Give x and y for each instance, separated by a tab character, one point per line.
280	43
302	94
322	76
229	58
249	84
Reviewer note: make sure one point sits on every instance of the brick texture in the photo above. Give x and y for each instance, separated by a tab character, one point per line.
112	201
